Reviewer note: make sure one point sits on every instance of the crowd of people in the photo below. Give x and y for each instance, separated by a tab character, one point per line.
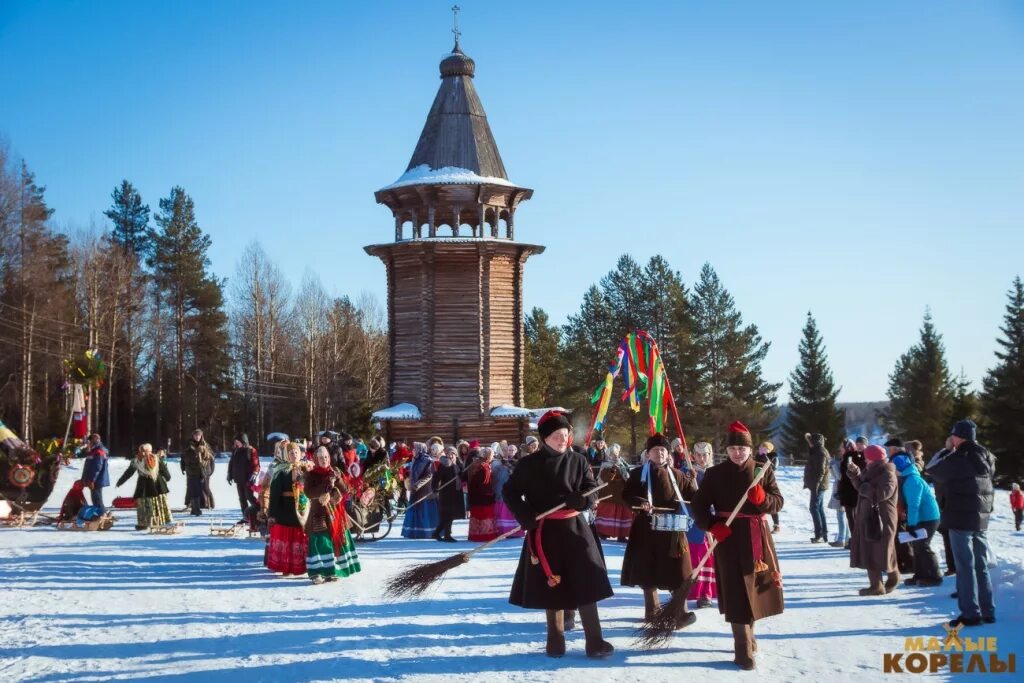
890	503
687	523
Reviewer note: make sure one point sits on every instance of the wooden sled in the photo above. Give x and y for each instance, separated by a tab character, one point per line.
103	523
168	529
226	531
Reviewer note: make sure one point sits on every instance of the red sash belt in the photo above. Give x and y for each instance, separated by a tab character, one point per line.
758	526
533	541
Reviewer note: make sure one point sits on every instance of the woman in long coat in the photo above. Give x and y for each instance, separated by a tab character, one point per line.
450	500
501	470
421	515
482	524
871	545
614	515
657	559
286	552
325	487
150	495
747	571
561	567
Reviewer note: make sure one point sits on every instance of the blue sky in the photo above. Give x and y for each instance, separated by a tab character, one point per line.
859	160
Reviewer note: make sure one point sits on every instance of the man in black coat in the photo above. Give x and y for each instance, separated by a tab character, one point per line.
561	567
966	477
244	463
847	492
816	476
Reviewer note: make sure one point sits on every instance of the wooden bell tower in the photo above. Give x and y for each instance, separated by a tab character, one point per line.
455	277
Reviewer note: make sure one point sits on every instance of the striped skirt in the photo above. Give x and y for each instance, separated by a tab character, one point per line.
506	520
704	582
153	511
613	520
347	563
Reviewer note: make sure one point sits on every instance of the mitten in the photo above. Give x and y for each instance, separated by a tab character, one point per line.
528	523
756	494
576	501
720	531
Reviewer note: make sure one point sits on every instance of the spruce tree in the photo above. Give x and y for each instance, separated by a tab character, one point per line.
542	373
921	391
130	218
1003	393
729	356
812	397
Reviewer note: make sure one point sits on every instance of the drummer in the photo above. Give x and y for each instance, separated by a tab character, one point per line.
658	553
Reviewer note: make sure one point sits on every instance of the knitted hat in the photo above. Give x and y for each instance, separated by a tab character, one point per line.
862	439
552	421
656	440
874	453
531	439
739	435
901	463
965	429
894	442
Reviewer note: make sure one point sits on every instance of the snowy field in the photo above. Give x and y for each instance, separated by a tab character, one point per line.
124	605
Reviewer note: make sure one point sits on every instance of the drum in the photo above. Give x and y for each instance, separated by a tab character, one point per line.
668	521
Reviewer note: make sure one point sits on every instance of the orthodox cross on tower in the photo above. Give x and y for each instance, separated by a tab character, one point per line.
455	24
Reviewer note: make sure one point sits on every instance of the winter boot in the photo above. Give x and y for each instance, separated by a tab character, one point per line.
650	603
753	640
892	581
556	634
685	619
875	586
597	646
570	619
742	646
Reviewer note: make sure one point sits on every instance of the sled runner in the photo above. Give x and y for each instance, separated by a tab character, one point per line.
167	529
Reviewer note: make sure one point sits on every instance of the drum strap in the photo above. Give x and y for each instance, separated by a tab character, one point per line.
645	475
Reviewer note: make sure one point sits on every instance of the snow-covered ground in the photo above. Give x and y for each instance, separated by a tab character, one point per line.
125	605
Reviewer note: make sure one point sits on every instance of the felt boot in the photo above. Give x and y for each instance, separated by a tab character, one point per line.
684	619
875	586
597	646
650	603
570	619
892	581
742	637
556	634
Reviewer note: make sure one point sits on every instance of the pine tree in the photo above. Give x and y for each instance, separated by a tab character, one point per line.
542	375
729	357
130	218
965	402
130	233
921	391
812	396
1003	393
179	264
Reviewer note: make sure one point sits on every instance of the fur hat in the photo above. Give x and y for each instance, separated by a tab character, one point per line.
435	439
966	430
815	439
656	440
552	421
739	435
874	453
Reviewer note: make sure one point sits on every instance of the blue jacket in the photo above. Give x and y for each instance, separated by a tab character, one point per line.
95	470
920	501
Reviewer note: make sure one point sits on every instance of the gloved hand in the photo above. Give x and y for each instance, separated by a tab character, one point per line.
756	495
912	530
528	523
720	531
230	480
576	501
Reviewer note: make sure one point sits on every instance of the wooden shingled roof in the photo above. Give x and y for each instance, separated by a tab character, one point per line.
456	133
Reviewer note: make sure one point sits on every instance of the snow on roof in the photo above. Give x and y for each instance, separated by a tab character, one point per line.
402	411
448	175
515	411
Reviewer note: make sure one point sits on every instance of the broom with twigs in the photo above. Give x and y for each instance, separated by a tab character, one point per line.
659	628
417	579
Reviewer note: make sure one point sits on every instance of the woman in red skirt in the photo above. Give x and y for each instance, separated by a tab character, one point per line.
482	524
286	551
614	516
